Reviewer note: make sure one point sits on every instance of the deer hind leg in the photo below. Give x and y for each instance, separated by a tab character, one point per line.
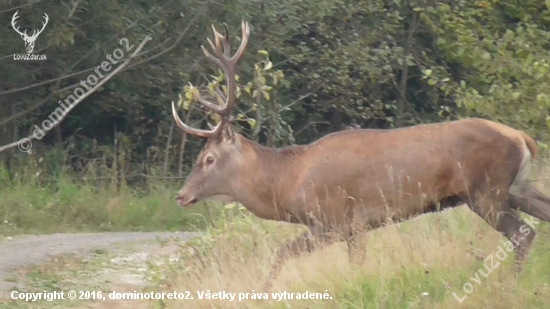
357	239
495	210
314	239
531	201
357	246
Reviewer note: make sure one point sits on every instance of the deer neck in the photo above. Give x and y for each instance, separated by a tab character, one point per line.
271	175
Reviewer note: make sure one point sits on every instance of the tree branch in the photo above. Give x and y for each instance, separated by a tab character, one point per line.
20	6
97	86
162	52
43	101
404	74
65	76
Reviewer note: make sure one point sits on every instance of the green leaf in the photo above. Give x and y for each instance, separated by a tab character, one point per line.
188	95
262	80
186	104
428	72
268	66
529	58
263	52
251	122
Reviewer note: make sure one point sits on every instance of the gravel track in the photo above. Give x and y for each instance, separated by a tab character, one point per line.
27	250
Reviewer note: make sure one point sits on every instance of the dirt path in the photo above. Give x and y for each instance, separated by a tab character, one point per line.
21	251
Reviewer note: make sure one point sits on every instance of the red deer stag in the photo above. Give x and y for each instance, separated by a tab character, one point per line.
352	181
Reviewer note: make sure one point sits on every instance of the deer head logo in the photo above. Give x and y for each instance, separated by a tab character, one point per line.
29	40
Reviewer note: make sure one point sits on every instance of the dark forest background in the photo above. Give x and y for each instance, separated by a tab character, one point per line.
311	68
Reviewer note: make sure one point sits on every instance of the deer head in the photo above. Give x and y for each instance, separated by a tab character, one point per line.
29	40
221	157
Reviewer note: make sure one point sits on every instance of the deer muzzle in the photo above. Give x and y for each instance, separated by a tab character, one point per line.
186	200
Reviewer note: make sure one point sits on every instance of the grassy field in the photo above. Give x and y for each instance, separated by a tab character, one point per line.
60	204
416	264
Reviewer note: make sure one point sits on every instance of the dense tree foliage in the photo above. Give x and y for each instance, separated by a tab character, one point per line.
311	67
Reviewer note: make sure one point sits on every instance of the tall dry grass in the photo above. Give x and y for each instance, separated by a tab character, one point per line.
415	264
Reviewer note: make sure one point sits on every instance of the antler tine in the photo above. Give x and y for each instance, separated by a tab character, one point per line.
44	23
198	132
15	16
246	32
13	22
217	48
226	43
230	69
219	39
227	64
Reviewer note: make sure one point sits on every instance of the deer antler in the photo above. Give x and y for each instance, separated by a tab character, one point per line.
34	32
191	130
229	66
44	23
13	22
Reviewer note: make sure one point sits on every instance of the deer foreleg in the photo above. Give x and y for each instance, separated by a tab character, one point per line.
314	239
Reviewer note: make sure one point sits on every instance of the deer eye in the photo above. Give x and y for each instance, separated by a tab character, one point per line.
209	160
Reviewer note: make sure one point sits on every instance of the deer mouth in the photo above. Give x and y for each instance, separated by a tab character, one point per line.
183	202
